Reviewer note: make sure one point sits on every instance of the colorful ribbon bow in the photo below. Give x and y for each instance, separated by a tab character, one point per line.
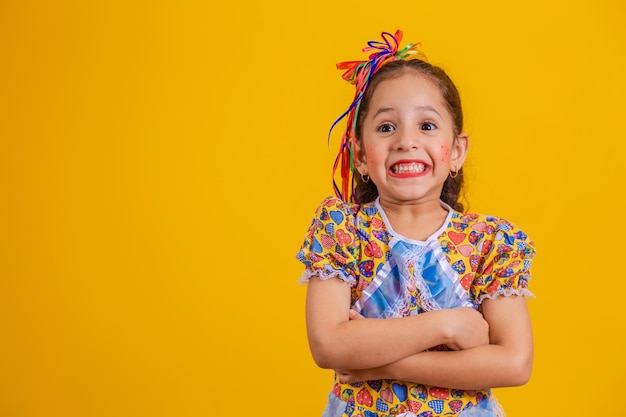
359	73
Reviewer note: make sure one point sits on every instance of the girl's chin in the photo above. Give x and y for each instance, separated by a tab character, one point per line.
409	198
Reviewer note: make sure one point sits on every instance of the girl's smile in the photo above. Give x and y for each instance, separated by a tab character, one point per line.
408	168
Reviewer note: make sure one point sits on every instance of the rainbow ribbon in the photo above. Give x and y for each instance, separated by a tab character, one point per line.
359	74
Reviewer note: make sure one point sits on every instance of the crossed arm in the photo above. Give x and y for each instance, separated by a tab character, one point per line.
492	350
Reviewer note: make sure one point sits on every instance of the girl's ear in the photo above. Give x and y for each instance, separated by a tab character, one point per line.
459	151
361	162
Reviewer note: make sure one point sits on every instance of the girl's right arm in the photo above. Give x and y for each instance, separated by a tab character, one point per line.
336	342
506	361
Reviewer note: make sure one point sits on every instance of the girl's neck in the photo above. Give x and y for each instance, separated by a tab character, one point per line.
417	221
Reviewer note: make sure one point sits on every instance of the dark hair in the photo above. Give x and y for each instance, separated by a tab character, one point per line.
366	192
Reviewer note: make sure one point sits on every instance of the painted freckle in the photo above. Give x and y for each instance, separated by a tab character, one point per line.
446	153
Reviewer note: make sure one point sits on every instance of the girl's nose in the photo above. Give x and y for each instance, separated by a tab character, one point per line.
406	140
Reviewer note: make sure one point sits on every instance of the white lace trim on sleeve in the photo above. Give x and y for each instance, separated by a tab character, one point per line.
521	292
324	275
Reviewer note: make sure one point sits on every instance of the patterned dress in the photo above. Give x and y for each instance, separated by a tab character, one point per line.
470	258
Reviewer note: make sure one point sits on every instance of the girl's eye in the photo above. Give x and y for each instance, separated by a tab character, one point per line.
386	128
428	126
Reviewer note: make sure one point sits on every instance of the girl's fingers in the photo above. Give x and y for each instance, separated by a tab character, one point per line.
354	315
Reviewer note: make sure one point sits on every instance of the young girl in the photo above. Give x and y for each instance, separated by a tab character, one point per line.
417	306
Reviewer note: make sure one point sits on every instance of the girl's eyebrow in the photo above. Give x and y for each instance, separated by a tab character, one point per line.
428	108
422	108
383	110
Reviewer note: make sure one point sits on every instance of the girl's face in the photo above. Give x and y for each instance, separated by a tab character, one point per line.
408	145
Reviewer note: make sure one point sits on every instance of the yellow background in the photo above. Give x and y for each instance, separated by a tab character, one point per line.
160	162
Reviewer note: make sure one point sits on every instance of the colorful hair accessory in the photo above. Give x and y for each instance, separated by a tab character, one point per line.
359	73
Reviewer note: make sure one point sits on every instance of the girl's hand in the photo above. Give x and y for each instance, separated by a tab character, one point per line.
350	376
353	315
347	376
466	328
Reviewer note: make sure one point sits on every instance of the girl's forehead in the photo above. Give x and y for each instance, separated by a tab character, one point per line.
408	80
410	86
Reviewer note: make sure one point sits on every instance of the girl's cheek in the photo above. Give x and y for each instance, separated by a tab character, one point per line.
371	156
445	153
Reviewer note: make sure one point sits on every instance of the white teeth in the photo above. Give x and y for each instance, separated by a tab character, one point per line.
405	168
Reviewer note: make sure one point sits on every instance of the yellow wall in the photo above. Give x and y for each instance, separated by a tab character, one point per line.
147	147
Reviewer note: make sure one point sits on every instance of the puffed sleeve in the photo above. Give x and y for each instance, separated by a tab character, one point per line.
505	269
329	246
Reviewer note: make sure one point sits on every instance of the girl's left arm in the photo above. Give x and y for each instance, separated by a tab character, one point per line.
505	361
